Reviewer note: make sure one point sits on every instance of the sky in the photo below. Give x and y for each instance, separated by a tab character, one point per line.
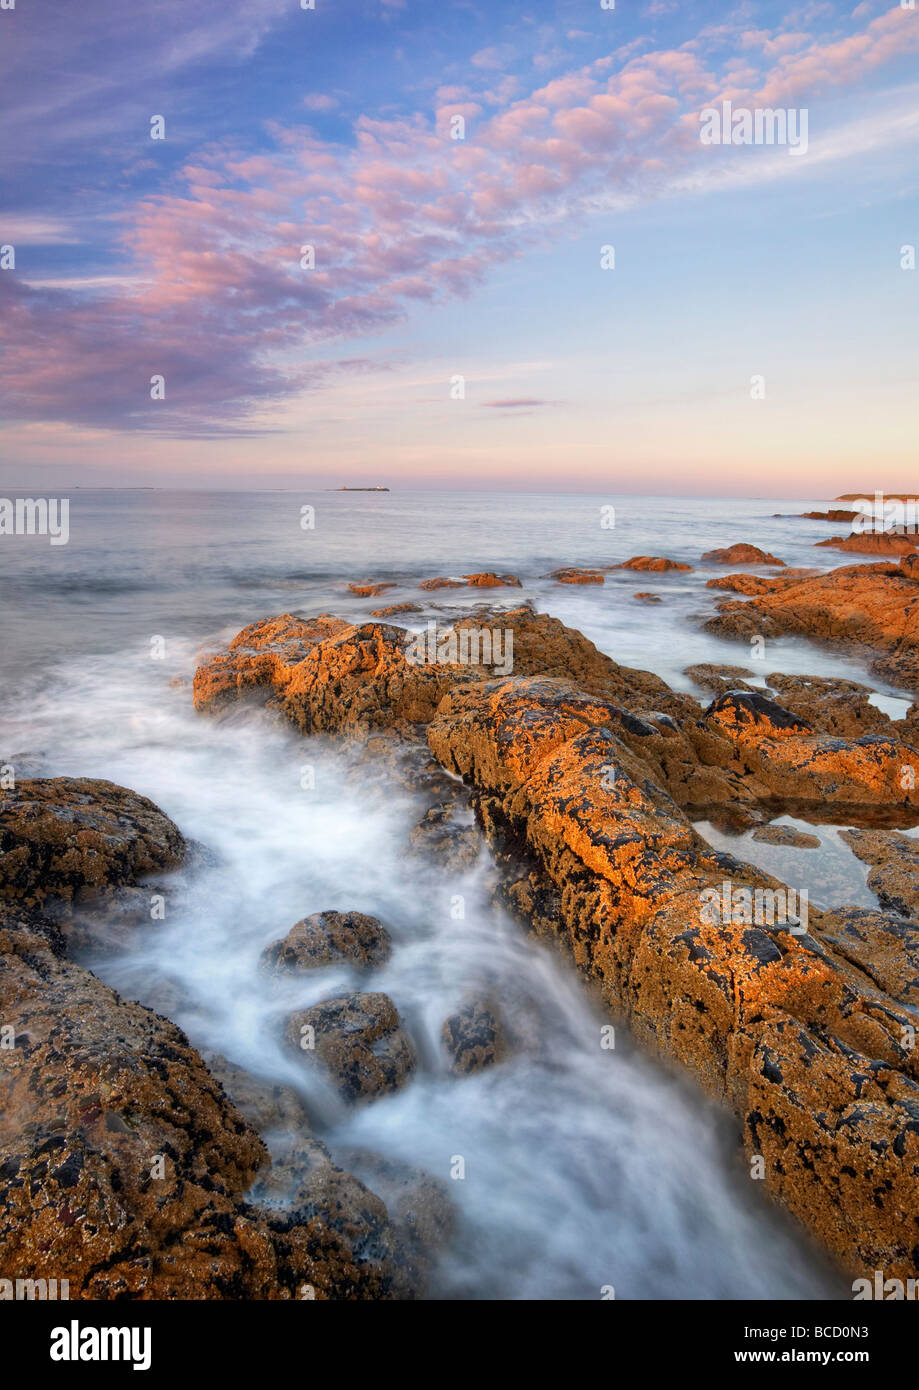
529	270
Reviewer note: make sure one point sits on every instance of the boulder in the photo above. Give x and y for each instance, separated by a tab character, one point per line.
330	938
473	1038
74	840
359	1039
656	564
741	554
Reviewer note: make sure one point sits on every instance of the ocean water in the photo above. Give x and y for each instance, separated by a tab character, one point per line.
585	1168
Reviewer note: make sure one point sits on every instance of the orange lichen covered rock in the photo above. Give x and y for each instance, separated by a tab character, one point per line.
874	607
741	554
487	580
262	655
441	584
873	543
768	1018
654	563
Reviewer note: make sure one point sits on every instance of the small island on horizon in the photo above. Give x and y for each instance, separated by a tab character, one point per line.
378	488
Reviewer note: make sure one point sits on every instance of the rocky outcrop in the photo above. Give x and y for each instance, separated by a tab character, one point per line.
66	841
656	564
330	938
441	583
872	543
260	658
647	598
884	946
796	761
799	1041
894	872
834	514
741	554
125	1167
360	1041
873	608
833	705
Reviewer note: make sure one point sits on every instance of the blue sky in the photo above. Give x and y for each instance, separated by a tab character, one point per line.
438	258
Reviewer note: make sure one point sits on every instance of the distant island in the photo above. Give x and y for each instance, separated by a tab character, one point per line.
360	489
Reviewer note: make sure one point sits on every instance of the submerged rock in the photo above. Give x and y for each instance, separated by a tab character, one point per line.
647	598
440	836
359	1039
577	576
395	608
370	589
330	938
785	835
474	1038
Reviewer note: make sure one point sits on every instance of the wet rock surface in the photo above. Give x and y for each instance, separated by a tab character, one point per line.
330	938
871	607
474	1037
125	1167
71	840
785	835
894	873
359	1039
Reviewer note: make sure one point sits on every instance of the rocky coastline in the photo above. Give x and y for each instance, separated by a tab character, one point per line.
141	1168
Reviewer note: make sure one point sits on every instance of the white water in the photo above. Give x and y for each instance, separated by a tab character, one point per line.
584	1167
